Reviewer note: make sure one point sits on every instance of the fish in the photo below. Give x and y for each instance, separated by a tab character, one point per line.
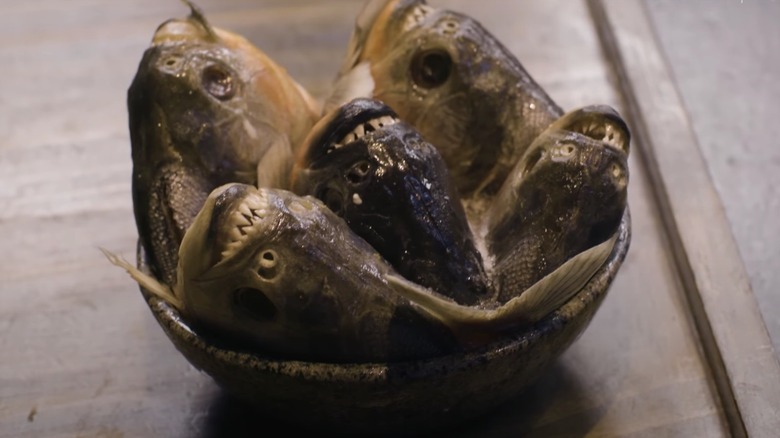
206	107
267	271
567	194
448	76
394	190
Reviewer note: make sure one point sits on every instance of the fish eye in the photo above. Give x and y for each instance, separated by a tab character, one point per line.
431	68
218	82
255	303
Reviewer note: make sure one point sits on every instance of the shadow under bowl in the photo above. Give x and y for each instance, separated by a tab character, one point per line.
412	396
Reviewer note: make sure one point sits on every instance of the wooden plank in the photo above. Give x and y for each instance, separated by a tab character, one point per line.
725	64
728	321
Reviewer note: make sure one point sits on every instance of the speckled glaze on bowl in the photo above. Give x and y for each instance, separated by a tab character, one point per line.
395	397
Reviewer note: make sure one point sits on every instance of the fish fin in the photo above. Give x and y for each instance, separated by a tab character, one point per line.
363	23
313	104
358	82
543	297
146	281
556	288
448	311
273	170
196	14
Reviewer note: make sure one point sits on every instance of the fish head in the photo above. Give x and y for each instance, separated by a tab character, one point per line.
208	98
394	190
350	153
574	176
238	271
444	73
372	169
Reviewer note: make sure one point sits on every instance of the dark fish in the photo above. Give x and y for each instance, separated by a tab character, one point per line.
549	229
205	108
393	189
566	195
454	81
283	276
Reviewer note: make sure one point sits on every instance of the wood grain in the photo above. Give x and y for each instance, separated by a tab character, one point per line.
82	355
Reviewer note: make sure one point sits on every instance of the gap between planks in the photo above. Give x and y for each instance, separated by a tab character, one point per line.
733	336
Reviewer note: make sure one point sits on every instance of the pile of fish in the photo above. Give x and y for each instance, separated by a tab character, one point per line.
435	201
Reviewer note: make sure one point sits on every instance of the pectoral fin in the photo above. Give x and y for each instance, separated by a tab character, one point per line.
556	288
544	297
363	23
148	282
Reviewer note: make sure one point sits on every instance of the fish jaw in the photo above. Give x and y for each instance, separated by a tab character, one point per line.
231	214
361	117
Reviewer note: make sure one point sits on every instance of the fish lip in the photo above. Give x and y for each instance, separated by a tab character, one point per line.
341	122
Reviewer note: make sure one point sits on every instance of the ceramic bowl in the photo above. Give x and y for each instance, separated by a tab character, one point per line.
393	397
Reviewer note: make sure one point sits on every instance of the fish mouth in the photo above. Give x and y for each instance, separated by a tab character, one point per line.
240	213
595	139
600	123
359	120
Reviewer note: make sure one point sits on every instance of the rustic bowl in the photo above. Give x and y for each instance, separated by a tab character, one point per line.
394	397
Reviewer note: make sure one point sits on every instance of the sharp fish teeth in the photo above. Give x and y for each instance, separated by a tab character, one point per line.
235	234
242	219
361	130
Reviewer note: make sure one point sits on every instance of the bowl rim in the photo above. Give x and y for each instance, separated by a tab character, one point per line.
174	325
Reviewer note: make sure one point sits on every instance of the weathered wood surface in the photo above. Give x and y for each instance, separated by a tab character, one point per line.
732	332
82	355
725	63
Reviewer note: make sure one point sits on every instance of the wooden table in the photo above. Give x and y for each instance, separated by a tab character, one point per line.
82	355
